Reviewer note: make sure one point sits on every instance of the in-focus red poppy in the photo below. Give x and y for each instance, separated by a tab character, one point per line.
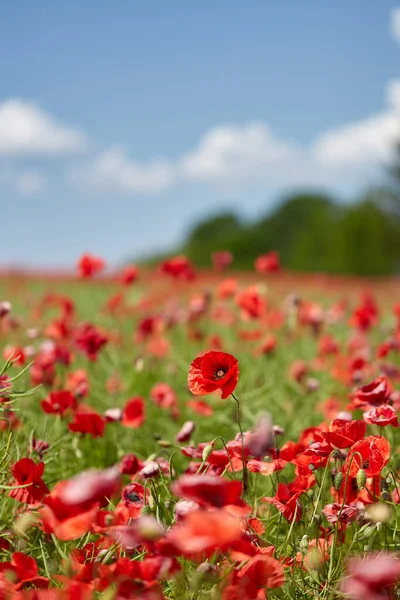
286	501
58	402
89	265
88	422
208	490
343	434
375	454
267	263
213	371
134	414
27	472
381	415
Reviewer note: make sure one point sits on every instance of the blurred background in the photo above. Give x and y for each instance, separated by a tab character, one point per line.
137	130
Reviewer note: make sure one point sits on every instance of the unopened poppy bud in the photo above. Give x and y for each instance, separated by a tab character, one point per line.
338	481
386	496
361	479
207	570
186	431
164	443
278	430
5	308
304	543
207	450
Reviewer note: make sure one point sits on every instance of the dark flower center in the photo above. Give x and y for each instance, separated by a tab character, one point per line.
220	374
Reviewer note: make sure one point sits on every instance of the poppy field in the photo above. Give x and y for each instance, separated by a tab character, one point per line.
174	433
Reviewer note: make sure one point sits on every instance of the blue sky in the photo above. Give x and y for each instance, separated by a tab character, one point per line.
123	122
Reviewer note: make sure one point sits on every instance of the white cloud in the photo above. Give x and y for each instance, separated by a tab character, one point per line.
30	183
369	141
395	23
113	170
239	157
228	151
25	129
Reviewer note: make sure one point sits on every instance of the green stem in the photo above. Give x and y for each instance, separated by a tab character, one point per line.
242	436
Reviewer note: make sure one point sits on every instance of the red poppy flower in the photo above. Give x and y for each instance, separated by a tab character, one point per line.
89	265
200	407
27	472
251	303
58	402
381	415
163	395
267	263
208	490
89	340
66	521
375	453
25	571
206	531
260	572
129	275
286	501
179	267
372	578
340	512
343	434
375	393
221	260
134	413
213	371
88	422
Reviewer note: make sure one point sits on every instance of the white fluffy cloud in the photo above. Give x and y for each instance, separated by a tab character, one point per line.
237	157
395	23
25	129
231	152
112	170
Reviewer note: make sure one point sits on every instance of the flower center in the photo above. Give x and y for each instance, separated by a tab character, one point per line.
220	374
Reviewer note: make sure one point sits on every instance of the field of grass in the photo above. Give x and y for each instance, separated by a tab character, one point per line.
129	505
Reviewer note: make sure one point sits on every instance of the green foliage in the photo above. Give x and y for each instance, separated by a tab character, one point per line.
311	232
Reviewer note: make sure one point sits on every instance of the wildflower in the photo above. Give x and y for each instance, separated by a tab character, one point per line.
26	472
213	371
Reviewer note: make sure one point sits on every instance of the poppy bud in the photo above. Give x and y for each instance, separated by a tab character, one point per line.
304	544
338	481
164	443
5	308
361	479
207	452
185	432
